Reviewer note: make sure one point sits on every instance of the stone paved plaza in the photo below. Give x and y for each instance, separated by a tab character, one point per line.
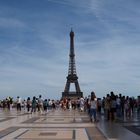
64	125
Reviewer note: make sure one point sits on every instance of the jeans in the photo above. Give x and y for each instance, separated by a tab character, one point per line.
93	113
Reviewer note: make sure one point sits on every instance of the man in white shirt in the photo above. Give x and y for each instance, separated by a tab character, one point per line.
19	102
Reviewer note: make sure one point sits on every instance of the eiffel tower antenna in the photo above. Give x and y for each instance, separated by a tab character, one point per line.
72	76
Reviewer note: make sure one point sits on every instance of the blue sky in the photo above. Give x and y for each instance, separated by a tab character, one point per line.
34	46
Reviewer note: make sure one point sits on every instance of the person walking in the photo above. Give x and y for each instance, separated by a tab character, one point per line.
93	108
34	104
19	102
40	104
28	104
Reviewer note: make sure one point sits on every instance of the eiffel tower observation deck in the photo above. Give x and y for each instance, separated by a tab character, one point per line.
72	77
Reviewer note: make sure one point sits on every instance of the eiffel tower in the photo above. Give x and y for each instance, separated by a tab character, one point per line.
72	76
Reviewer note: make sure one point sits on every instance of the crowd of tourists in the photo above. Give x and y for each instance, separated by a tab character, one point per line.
29	105
116	106
112	106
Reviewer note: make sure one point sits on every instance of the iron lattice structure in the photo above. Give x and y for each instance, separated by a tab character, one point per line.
72	76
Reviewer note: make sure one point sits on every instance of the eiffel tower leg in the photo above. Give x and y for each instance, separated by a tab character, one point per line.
77	87
67	87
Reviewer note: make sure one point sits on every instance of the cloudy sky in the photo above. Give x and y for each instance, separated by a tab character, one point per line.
34	46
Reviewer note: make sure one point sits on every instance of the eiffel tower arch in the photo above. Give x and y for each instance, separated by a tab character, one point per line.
72	77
